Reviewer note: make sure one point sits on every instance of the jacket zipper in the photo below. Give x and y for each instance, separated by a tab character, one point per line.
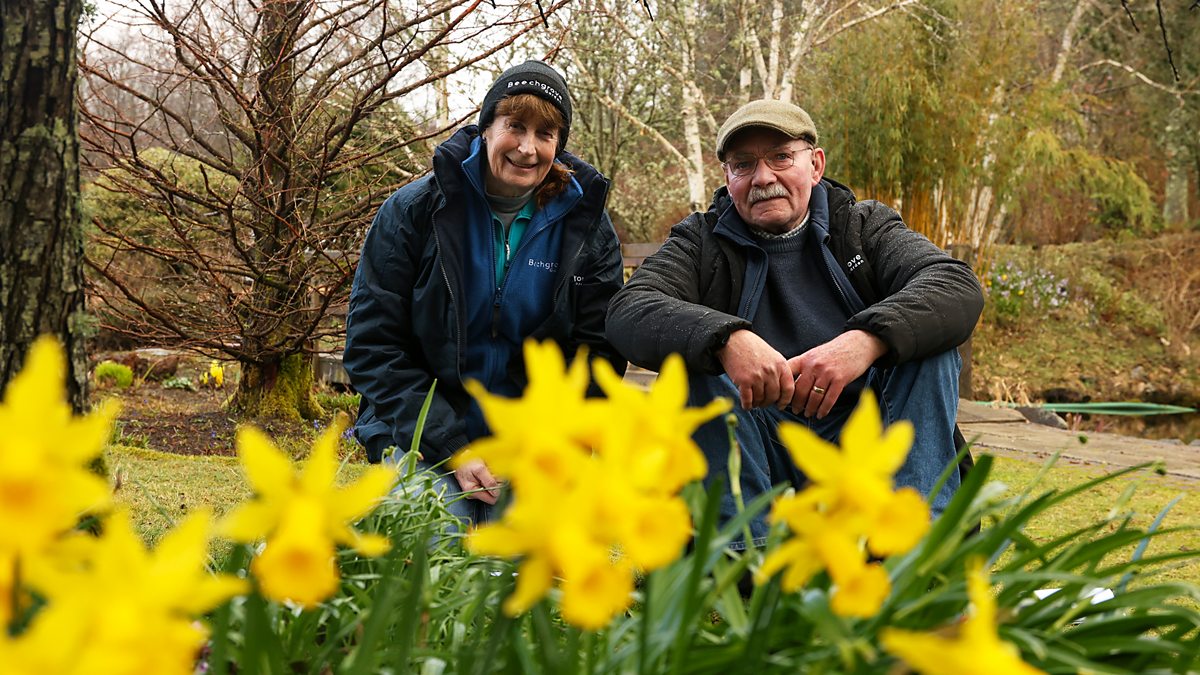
503	278
758	284
458	344
569	272
833	279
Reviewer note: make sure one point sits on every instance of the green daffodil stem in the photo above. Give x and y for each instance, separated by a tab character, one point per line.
644	633
735	474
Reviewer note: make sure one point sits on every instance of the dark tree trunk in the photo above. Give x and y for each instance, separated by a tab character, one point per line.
41	242
278	382
281	389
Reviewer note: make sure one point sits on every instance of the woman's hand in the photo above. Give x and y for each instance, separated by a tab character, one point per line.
477	481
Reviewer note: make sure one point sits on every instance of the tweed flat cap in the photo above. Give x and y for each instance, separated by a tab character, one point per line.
783	117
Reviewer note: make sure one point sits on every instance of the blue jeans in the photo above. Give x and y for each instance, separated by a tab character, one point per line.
924	392
445	485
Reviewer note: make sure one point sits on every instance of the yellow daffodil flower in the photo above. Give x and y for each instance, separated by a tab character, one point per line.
654	436
295	544
860	474
825	541
857	482
593	481
45	482
862	593
596	590
294	565
217	373
113	607
797	558
521	449
547	533
654	530
900	525
978	648
849	502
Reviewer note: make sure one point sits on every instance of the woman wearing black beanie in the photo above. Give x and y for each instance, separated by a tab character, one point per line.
506	239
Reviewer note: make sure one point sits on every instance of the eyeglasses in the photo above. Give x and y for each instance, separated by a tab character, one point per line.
777	160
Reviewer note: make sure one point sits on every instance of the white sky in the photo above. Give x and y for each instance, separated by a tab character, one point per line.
467	88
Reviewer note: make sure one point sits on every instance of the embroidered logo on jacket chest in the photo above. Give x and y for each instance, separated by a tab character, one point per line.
544	265
854	263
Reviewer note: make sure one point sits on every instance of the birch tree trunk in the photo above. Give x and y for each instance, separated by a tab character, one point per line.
1175	195
697	190
41	242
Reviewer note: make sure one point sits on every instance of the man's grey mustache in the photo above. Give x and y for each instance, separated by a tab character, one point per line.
757	194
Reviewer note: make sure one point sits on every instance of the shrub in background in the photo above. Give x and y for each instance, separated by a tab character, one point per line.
111	374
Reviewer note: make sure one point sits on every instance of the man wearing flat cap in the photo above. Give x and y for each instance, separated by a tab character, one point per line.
791	297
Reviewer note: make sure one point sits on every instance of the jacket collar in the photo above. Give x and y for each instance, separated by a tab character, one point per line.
828	199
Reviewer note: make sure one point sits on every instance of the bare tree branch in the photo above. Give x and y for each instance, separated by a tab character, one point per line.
1174	91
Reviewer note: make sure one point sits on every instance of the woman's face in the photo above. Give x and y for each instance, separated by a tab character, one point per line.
519	155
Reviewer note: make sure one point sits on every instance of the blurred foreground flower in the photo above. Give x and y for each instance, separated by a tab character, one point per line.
115	608
849	501
45	482
649	442
594	481
542	435
977	649
302	515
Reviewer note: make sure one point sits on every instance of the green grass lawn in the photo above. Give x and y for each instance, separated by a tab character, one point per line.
159	488
1142	495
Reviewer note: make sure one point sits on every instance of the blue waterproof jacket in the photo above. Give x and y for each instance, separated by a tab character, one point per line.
417	298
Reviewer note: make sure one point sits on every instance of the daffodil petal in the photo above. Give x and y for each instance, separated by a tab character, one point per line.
360	497
901	523
370	545
320	469
534	578
820	461
249	522
267	469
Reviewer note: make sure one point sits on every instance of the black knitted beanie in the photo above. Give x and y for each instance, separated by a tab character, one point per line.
531	77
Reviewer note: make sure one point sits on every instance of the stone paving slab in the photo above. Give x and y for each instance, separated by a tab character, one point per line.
1034	441
970	412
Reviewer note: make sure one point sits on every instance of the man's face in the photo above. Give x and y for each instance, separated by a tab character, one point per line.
766	198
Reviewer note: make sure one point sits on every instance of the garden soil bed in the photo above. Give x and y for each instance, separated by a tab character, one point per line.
187	422
176	421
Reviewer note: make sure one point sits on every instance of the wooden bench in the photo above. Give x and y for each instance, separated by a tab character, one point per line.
632	256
